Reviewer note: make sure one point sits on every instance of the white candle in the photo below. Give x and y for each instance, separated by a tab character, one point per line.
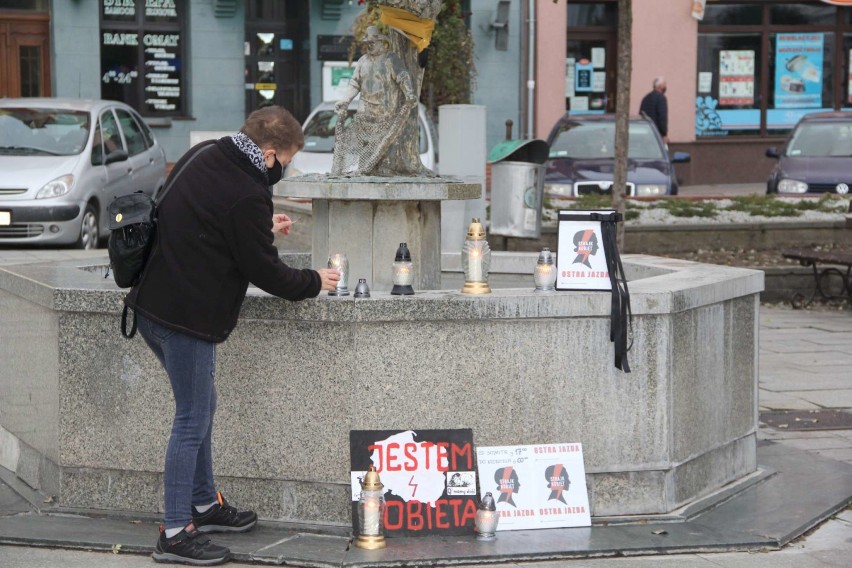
475	264
371	517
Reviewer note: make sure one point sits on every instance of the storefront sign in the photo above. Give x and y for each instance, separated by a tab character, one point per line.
736	77
162	72
798	70
334	47
428	475
541	486
581	258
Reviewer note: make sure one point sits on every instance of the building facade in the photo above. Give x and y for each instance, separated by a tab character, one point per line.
738	78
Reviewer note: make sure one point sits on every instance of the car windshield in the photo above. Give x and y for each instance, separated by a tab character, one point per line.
319	132
821	139
43	131
596	140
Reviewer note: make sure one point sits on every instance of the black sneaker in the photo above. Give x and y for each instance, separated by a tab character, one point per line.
189	546
221	517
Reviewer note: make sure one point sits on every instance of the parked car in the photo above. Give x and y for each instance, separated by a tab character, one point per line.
318	154
817	157
582	158
62	161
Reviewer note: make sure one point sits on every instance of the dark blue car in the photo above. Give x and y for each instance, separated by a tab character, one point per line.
817	157
582	158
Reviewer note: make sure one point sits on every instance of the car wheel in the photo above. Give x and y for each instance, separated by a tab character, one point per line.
89	229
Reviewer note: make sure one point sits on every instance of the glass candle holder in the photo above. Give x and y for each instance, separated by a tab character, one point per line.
362	290
486	518
371	512
403	272
341	263
476	260
545	272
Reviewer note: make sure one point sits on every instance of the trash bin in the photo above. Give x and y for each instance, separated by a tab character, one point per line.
517	186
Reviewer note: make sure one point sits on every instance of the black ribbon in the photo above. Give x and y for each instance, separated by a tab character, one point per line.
621	316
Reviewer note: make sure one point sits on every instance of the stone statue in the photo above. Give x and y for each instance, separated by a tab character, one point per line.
383	138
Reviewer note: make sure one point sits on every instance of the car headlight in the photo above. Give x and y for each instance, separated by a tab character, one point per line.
57	187
650	189
563	189
792	186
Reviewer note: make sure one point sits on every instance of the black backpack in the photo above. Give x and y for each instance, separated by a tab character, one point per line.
133	230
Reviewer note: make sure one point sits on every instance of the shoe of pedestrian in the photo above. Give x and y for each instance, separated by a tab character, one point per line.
189	546
222	517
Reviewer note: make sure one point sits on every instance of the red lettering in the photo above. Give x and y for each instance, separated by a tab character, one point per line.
397	508
391	459
454	503
380	449
411	454
414	512
441	513
442	455
469	514
457	452
426	446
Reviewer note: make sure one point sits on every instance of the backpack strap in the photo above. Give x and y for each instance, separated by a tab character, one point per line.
172	179
124	323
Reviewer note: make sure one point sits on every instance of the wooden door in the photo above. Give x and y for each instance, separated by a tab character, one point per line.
24	55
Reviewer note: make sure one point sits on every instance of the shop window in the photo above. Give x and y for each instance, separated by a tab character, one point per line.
38	5
802	14
728	99
143	54
801	78
846	56
732	15
588	14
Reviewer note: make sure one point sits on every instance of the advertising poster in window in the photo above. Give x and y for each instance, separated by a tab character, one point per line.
736	77
429	479
798	70
536	487
849	88
583	73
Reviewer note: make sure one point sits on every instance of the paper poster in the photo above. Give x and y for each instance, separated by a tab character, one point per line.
598	57
698	9
579	103
569	76
705	81
429	479
599	81
736	77
583	76
798	70
335	80
581	258
849	88
536	487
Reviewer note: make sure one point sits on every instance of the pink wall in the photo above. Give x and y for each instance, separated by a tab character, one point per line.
551	24
665	42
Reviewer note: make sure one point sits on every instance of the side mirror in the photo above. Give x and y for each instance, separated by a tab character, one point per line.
116	156
772	153
681	157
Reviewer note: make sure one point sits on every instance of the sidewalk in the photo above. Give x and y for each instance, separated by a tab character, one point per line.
804	389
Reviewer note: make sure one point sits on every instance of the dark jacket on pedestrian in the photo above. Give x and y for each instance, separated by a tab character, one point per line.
214	236
657	108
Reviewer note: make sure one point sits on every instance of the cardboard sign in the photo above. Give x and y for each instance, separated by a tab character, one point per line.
535	487
429	478
581	258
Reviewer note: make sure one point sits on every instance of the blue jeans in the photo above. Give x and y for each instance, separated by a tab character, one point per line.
190	364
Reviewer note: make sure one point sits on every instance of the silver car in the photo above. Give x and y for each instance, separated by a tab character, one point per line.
62	161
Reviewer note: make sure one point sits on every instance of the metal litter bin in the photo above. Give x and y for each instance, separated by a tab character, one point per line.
517	186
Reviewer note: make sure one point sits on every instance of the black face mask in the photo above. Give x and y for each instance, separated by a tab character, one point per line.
274	173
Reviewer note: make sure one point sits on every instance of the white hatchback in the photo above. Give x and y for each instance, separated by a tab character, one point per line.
318	153
62	161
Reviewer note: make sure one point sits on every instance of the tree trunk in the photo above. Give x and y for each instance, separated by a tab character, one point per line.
622	111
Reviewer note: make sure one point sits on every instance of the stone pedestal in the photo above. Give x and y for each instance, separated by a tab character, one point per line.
366	219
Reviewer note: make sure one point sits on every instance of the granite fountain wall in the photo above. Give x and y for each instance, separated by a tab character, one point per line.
85	414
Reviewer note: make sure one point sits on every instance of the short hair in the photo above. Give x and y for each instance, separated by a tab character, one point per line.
659	81
274	126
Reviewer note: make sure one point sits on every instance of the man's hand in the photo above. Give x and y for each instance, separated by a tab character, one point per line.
281	223
330	277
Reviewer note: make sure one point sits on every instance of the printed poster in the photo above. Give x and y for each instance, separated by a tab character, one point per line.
580	258
570	62
536	487
429	479
736	77
598	57
798	70
705	81
583	73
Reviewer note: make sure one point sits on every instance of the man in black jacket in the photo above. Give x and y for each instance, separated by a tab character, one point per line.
214	236
656	107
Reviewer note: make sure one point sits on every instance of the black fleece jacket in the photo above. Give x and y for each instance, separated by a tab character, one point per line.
214	236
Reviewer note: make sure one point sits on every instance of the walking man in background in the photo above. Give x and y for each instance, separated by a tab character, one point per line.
656	107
